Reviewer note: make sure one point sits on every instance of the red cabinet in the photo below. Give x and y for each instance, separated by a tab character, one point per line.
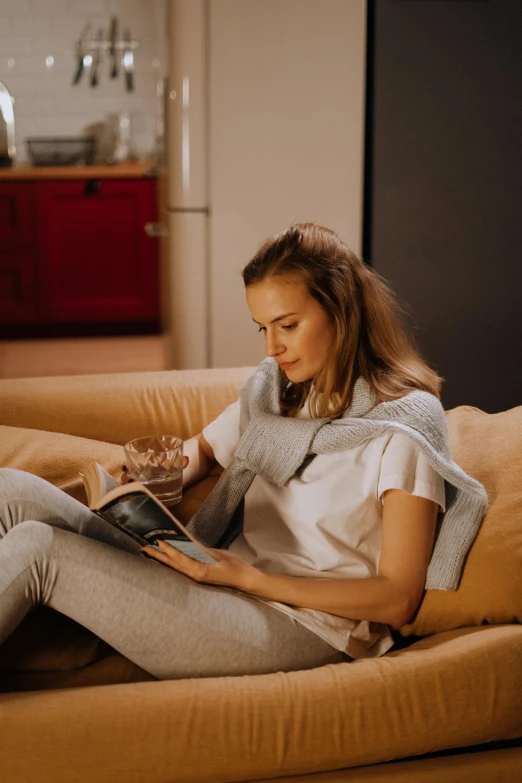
16	208
18	263
76	251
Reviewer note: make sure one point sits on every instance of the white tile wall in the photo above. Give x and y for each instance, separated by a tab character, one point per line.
46	103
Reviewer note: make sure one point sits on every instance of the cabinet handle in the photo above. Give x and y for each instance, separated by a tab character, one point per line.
92	186
156	230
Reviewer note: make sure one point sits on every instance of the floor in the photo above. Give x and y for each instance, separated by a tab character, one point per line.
80	356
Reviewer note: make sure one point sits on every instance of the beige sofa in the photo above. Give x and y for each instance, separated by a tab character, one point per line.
443	705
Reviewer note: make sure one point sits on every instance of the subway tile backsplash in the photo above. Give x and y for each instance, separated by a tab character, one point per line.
38	61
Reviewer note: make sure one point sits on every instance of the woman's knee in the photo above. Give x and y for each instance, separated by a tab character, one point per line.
19	485
40	534
29	561
29	542
8	477
13	480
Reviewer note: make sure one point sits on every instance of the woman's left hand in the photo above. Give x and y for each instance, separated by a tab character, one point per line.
230	570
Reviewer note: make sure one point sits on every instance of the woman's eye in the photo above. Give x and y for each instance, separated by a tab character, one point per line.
289	326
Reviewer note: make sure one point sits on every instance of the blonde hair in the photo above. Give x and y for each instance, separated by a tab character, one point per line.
371	339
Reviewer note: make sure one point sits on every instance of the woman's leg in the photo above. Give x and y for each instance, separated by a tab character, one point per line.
24	496
158	618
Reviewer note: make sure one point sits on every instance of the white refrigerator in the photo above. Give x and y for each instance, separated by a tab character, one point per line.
265	107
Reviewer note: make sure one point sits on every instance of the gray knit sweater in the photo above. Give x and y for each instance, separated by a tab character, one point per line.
275	447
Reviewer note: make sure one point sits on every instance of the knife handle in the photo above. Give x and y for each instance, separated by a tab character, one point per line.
80	53
128	61
79	71
113	35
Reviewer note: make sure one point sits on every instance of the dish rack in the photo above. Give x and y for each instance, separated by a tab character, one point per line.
65	151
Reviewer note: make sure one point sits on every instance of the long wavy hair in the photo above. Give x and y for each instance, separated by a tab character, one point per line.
371	338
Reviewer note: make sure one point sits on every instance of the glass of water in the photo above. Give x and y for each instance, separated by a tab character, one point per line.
157	462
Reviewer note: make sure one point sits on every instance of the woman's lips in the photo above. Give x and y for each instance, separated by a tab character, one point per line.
288	365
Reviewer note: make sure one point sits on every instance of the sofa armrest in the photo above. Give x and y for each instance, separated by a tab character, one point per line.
117	407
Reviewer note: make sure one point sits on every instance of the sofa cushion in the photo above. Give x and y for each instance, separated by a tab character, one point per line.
489	448
57	457
449	690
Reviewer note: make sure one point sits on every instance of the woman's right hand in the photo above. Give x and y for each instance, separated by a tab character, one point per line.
126	479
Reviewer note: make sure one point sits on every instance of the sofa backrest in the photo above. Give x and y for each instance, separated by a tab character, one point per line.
489	448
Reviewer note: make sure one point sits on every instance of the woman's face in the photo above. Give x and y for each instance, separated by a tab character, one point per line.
296	328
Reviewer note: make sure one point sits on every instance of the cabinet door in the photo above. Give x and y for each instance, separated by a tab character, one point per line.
18	288
18	262
96	261
16	225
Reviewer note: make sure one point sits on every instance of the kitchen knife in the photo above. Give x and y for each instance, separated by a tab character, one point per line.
128	61
96	59
113	35
7	148
80	52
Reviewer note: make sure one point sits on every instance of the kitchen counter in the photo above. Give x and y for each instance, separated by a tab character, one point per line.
134	170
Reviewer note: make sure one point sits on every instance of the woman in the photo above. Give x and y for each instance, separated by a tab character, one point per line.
323	521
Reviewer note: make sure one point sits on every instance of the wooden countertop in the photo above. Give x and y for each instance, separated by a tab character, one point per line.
118	171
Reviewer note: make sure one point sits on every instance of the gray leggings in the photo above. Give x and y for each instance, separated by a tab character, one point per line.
54	551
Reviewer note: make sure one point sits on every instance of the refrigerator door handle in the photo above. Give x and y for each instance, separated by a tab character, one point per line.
156	230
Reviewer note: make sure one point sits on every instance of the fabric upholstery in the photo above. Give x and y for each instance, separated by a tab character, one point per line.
489	448
449	690
57	457
121	406
477	766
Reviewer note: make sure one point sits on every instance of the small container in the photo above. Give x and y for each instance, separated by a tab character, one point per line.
66	151
122	137
7	129
157	462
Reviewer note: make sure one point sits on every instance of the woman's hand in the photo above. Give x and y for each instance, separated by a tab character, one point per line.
230	570
126	479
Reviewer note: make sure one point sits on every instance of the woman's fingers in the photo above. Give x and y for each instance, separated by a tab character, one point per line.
125	478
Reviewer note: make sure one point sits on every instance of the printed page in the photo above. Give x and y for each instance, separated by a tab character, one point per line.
107	483
188	548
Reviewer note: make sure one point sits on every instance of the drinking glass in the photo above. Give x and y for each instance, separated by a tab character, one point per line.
157	462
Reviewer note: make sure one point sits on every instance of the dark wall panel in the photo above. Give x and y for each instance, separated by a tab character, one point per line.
445	185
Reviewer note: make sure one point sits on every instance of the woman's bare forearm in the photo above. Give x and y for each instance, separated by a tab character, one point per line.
199	462
373	598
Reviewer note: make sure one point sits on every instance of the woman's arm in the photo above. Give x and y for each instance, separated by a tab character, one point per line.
201	459
392	596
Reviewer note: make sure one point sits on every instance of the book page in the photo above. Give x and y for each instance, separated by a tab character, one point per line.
107	483
188	548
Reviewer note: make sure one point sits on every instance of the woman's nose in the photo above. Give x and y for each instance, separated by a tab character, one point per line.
272	346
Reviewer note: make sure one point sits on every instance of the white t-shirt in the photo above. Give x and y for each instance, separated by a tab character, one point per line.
326	521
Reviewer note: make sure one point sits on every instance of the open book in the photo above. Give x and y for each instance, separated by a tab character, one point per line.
135	511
